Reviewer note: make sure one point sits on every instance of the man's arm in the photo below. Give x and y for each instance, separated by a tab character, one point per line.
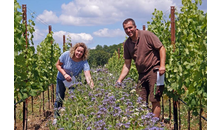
125	70
162	52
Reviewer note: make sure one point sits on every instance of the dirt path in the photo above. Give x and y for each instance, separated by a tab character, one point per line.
36	119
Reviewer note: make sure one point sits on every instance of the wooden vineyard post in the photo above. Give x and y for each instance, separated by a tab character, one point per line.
173	43
51	94
144	27
24	16
123	47
179	116
118	53
25	112
188	119
175	115
48	97
48	91
52	86
25	103
200	118
162	109
64	43
40	106
32	103
173	27
169	111
15	117
43	104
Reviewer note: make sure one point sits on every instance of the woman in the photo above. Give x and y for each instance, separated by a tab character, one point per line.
70	64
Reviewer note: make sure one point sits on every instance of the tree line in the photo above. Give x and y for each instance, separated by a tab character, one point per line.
101	54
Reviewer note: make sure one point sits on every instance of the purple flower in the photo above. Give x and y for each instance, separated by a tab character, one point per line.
118	125
122	99
102	90
126	95
143	117
90	94
72	96
104	102
99	124
98	70
127	125
155	119
98	116
154	128
103	110
129	103
139	100
92	113
93	99
101	84
116	114
106	93
149	115
109	126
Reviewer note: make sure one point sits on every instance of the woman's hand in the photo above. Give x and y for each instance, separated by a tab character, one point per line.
62	71
89	79
91	85
67	77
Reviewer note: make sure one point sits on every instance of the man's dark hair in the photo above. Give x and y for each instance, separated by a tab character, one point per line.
127	20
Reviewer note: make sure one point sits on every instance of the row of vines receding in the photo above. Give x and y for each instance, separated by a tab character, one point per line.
34	68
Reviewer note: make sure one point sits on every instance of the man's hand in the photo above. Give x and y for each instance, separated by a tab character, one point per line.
162	70
118	84
124	72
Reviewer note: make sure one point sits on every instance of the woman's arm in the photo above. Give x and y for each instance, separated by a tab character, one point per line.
89	79
62	71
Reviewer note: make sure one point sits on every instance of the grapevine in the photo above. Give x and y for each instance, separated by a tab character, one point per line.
186	67
33	71
24	58
47	55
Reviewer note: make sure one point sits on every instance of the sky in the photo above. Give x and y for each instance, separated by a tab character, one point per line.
94	22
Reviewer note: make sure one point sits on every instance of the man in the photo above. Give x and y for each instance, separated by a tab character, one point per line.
149	55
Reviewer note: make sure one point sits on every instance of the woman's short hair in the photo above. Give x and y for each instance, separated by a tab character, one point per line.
80	44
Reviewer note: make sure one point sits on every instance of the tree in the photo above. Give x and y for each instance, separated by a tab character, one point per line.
101	55
98	47
98	58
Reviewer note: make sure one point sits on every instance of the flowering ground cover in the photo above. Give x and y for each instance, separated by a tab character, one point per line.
105	107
